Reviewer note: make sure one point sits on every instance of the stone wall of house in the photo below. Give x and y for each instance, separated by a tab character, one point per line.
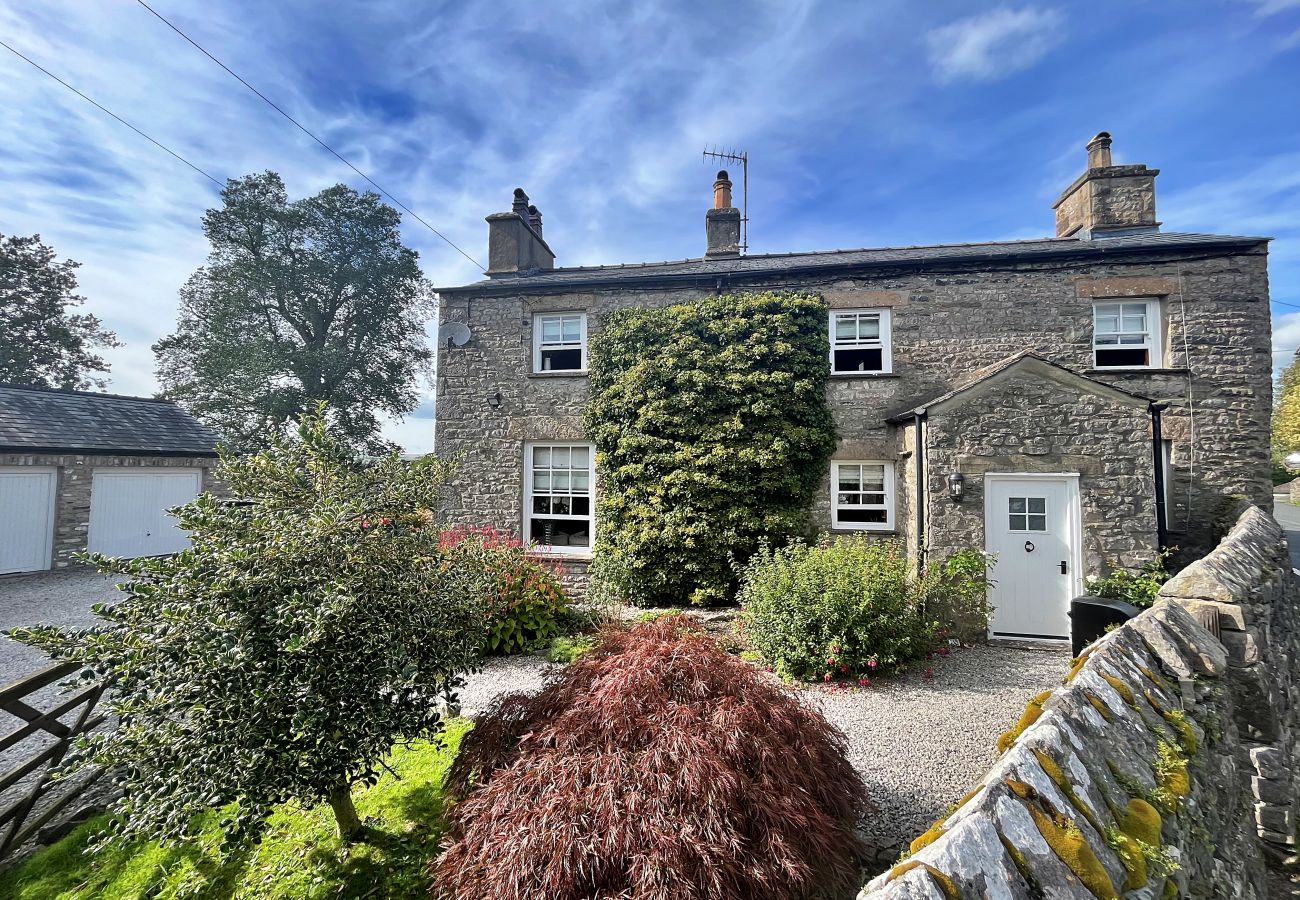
1162	716
947	321
74	477
1030	423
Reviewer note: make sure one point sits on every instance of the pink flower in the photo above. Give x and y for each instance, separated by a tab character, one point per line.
826	677
844	669
871	664
864	681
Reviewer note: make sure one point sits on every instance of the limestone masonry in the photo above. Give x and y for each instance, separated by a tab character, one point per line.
1125	368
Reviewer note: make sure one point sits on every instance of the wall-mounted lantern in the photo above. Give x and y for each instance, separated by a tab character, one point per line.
495	400
955	482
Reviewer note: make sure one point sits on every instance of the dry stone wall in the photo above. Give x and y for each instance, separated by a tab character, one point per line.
1165	765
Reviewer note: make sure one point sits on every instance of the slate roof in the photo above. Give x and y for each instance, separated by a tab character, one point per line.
45	420
985	373
686	270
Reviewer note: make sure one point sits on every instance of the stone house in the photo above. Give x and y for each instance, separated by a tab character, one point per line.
1070	403
85	471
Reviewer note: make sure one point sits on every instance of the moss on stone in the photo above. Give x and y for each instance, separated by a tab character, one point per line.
1099	705
1153	702
1033	710
1125	692
1068	843
1077	666
1154	678
1021	862
1129	851
968	797
1177	718
1171	890
929	837
1143	821
1057	774
1173	782
945	882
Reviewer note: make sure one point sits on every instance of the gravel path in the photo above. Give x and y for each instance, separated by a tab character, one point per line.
920	744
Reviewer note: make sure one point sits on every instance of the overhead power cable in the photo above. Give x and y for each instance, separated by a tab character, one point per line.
109	112
269	102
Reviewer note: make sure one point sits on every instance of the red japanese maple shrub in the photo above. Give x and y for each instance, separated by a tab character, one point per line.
656	767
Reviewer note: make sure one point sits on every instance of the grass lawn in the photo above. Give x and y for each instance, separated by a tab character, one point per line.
300	855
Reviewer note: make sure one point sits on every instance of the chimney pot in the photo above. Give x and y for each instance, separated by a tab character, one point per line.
520	204
722	191
1099	150
535	220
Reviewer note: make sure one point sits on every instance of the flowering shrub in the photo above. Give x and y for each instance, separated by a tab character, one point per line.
849	607
655	767
527	606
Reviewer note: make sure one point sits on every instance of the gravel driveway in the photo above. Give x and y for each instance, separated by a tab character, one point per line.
920	744
60	597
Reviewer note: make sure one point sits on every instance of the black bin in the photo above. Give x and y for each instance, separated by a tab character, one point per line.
1091	616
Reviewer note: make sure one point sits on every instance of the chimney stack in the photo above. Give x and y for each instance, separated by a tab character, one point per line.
1107	198
722	223
515	241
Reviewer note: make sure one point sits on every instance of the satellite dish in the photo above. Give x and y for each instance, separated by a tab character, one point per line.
456	334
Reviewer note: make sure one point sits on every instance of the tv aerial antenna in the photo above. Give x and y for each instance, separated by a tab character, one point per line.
741	157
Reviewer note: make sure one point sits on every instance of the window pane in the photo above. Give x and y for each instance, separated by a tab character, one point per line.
560	457
1037	523
541	457
846	328
582	506
873	478
850	477
1037	504
865	360
1016	504
579	457
1135	323
1017	522
541	504
1109	324
572	328
560	506
863	515
562	360
873	499
580	481
868	327
541	482
1121	357
560	481
550	329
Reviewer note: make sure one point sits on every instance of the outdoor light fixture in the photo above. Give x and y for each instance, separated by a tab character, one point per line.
495	400
955	481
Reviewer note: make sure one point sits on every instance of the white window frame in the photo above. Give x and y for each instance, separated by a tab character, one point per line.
539	345
529	515
884	343
1026	514
836	506
1153	343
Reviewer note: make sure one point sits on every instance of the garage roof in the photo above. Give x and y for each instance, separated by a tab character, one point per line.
44	420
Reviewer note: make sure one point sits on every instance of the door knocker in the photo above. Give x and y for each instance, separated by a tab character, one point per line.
1029	546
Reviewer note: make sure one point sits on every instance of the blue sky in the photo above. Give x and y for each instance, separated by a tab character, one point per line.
868	124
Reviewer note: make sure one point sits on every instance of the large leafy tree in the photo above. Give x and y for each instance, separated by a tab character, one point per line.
309	627
1286	414
42	342
314	300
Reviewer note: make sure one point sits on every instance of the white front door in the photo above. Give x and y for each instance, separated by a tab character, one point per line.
26	519
128	511
1031	524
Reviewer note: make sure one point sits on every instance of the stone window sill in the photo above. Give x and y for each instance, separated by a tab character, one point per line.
1119	371
575	373
562	557
839	375
883	532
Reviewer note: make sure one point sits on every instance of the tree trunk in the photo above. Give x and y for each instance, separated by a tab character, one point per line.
345	813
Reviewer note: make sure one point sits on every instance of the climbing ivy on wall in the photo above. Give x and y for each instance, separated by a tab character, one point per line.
712	434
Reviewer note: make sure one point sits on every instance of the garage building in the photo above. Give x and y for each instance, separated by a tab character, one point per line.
84	471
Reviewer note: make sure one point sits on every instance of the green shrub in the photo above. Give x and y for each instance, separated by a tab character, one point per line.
527	605
712	434
848	606
281	656
1139	588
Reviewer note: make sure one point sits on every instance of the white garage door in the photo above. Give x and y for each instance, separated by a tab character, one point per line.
26	519
128	512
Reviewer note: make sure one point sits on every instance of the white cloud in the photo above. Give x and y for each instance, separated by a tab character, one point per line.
994	45
1273	7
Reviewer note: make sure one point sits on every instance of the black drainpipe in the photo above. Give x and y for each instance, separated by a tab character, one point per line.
918	425
1158	455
